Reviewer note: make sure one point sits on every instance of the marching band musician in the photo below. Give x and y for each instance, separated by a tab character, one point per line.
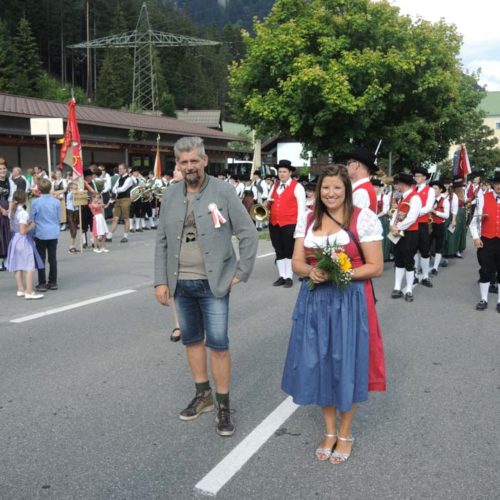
485	231
405	219
288	206
121	208
383	207
137	206
472	191
440	214
262	189
451	223
457	238
361	164
427	196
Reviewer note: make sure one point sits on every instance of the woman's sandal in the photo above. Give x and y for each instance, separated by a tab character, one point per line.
325	453
173	337
336	457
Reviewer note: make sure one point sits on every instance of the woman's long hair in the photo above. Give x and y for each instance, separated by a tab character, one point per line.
19	198
334	170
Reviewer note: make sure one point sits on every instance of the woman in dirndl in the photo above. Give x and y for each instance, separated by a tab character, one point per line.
335	353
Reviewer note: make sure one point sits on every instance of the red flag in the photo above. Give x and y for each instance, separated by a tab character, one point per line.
157	168
71	150
463	164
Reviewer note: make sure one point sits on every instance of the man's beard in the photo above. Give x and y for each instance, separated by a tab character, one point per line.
194	179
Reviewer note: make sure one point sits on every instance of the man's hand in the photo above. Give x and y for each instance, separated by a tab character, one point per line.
478	243
234	281
163	295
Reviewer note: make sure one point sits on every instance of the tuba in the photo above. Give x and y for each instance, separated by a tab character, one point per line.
136	193
259	212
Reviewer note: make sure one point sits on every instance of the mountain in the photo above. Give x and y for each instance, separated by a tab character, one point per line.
221	12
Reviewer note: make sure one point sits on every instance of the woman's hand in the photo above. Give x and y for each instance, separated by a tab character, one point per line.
318	276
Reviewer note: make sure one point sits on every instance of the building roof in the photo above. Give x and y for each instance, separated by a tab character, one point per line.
491	103
28	107
203	117
236	129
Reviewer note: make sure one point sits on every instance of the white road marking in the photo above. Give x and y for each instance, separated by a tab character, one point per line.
265	255
70	306
237	458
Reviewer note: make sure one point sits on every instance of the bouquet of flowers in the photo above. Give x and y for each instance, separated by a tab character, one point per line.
336	263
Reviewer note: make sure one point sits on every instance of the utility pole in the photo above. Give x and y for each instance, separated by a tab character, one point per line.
143	40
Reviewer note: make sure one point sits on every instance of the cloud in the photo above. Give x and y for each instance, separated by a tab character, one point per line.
490	73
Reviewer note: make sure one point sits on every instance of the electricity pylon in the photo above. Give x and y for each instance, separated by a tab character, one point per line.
143	40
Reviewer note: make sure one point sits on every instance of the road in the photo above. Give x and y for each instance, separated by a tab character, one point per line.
89	394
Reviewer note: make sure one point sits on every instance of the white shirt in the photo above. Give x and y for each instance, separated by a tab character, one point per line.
454	204
360	198
413	212
240	187
368	227
429	204
12	189
129	182
300	195
445	214
475	225
386	203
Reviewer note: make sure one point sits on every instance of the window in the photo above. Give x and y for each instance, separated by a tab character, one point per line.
497	125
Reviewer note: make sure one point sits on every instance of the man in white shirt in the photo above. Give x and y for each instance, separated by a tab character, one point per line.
427	196
288	199
404	225
440	214
121	208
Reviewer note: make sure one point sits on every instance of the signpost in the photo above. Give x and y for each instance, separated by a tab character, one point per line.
47	127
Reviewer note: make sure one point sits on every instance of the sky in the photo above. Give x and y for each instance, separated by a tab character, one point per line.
478	21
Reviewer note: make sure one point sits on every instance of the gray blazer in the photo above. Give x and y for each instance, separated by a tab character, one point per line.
219	257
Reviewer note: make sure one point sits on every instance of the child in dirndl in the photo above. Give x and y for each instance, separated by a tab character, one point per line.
99	226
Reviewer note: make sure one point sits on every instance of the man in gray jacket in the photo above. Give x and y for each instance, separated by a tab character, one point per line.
195	262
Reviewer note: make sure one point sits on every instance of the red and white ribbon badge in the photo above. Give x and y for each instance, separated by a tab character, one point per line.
216	215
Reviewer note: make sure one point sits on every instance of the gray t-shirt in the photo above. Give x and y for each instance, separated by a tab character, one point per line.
191	264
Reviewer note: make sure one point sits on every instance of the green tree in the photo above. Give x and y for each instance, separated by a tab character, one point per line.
330	71
26	60
7	68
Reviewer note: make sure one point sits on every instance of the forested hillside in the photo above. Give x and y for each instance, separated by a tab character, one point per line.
35	59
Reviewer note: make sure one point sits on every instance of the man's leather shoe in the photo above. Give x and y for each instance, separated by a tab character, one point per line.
396	294
426	282
288	283
279	282
434	272
41	287
498	307
481	305
409	297
52	286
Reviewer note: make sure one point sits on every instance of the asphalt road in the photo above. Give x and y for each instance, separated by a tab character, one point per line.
89	396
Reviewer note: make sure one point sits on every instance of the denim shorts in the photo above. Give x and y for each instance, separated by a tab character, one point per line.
202	316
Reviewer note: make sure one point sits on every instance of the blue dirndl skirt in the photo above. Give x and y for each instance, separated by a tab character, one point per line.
328	351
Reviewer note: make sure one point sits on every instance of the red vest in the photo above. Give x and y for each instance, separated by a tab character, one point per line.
372	194
424	194
490	227
439	207
284	210
404	208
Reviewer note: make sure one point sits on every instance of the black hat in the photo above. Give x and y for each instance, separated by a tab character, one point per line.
257	172
286	164
496	177
445	180
404	178
458	182
135	169
438	183
87	172
421	170
362	155
310	186
376	182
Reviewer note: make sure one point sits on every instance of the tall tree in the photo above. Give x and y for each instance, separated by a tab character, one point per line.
327	72
26	60
7	68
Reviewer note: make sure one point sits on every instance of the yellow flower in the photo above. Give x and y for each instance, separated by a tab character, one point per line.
344	262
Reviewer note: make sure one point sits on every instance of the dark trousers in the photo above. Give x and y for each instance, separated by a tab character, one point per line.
424	240
405	250
137	209
489	258
73	219
47	248
437	236
282	240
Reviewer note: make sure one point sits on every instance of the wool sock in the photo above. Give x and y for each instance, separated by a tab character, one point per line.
484	288
202	386
410	275
222	399
398	277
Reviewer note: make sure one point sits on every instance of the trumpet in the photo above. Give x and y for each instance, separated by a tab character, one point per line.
259	212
